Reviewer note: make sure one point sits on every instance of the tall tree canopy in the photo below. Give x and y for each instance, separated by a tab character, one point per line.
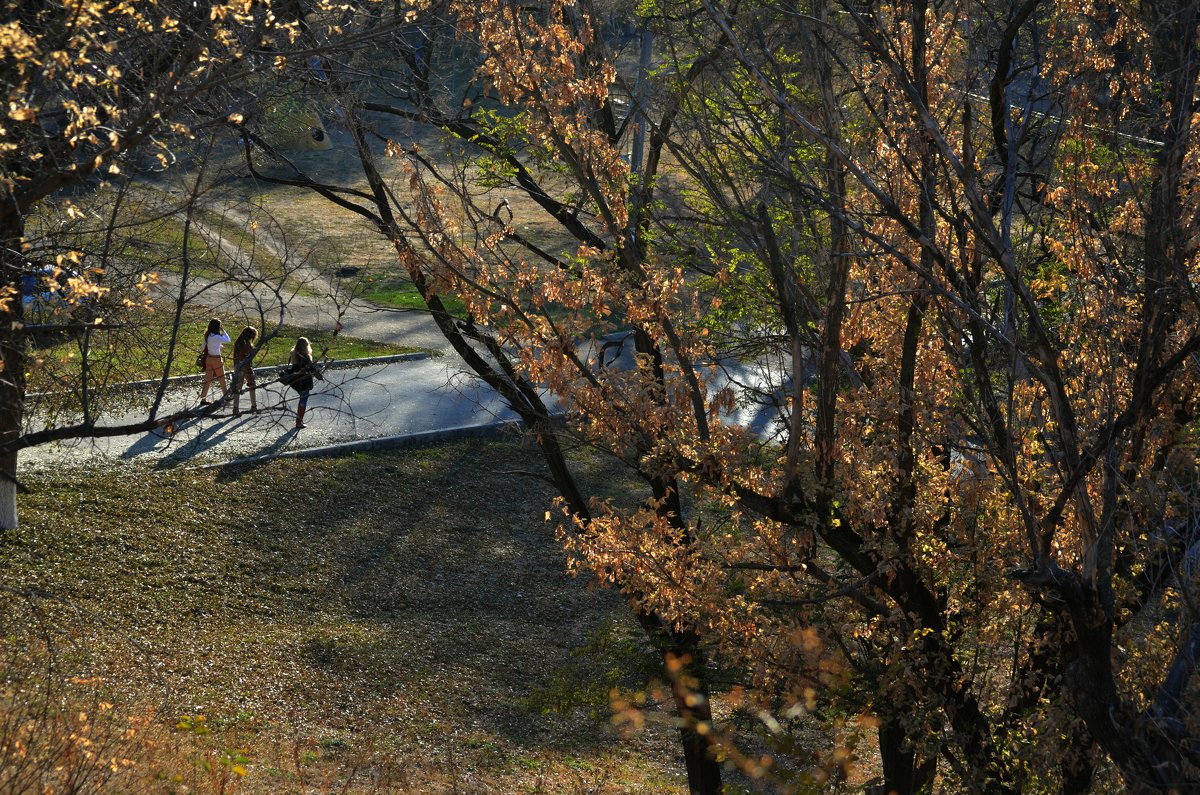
947	247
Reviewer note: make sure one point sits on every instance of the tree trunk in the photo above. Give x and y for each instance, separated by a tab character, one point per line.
12	352
703	772
903	773
1077	771
1150	759
693	707
684	662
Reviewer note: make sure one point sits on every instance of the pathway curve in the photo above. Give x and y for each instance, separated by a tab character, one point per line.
392	398
385	401
308	298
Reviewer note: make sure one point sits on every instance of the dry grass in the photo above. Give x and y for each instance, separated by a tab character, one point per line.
338	239
384	623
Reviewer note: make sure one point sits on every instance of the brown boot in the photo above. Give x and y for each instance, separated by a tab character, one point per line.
300	418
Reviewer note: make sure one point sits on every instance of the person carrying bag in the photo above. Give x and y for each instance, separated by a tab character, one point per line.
299	376
214	367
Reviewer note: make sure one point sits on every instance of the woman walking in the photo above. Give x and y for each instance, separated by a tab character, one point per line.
243	368
301	364
213	367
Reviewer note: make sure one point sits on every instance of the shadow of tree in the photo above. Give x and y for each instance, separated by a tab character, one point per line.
431	571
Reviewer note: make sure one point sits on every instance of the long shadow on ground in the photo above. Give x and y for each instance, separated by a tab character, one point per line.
415	583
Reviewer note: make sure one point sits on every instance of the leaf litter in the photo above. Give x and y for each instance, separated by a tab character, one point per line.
384	622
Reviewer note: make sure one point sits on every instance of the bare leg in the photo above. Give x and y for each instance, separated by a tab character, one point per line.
237	394
208	376
219	374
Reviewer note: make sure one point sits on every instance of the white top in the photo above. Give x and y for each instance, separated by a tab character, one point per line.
212	343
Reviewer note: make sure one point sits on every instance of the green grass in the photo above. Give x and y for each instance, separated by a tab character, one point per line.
325	345
147	240
163	243
399	292
137	350
276	350
362	624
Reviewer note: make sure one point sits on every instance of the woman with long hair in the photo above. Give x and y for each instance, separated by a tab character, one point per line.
214	368
243	368
300	362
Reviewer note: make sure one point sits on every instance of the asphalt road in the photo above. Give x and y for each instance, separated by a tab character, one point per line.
358	405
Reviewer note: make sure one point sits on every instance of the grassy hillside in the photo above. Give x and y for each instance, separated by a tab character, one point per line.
385	623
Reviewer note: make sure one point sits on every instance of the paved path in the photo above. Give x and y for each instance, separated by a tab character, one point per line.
413	398
306	297
359	403
373	403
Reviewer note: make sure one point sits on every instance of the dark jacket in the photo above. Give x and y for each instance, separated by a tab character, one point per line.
304	366
242	350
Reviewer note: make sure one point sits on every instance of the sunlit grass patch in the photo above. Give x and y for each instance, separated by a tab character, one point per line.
138	351
399	292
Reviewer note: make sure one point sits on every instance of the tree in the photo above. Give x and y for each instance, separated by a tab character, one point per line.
953	239
1048	249
101	93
